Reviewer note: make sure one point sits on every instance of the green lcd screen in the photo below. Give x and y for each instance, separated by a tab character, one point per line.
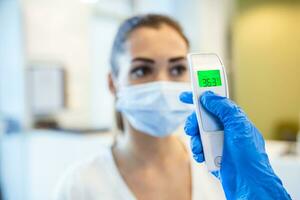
209	78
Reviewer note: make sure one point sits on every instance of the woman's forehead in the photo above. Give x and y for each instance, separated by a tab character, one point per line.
155	41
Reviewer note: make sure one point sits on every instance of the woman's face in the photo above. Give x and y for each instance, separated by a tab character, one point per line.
153	55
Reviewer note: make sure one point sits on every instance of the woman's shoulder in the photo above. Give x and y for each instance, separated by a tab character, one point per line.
92	173
97	163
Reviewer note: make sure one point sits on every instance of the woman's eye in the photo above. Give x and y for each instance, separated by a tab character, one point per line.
140	72
178	70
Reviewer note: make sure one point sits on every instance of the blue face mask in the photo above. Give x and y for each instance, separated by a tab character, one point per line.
154	108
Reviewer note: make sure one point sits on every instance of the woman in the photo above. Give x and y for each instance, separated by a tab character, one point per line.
146	161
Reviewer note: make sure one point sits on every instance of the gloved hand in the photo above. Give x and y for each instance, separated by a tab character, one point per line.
245	171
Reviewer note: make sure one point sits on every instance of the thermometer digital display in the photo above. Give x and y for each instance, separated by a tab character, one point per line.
209	78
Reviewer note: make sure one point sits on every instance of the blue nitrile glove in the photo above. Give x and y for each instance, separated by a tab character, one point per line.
245	171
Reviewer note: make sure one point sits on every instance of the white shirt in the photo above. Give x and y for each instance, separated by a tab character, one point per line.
99	178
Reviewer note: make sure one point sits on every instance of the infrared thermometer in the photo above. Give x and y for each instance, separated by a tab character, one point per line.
208	73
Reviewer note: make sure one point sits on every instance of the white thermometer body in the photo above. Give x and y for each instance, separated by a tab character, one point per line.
208	74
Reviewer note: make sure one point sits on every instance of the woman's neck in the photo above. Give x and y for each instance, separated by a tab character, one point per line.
140	148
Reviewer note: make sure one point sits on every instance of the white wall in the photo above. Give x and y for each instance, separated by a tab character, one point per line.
57	31
101	101
12	96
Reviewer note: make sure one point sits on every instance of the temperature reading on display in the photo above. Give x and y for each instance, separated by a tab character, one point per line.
209	78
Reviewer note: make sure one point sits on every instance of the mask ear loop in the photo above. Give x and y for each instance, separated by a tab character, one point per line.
118	115
115	83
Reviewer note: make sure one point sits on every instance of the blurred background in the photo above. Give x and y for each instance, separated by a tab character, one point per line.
55	107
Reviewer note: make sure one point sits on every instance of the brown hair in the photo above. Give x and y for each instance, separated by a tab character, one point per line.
128	26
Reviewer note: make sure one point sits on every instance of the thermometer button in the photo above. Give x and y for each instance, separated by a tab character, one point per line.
218	161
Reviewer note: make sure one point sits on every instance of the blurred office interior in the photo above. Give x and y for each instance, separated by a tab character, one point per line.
55	106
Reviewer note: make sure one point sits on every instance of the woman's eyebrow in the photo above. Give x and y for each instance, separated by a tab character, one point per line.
177	59
143	59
